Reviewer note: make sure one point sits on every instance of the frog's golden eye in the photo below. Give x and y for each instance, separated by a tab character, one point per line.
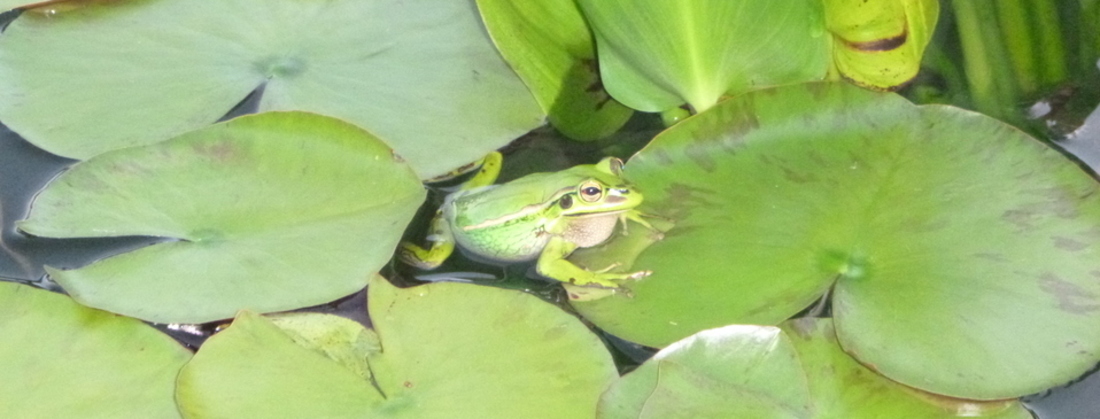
591	191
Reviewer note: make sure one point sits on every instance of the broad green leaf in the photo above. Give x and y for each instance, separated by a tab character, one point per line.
745	371
268	212
62	360
879	43
655	54
960	250
494	354
423	75
254	369
447	350
730	372
552	50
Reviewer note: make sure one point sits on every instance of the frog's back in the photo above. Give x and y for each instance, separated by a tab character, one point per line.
513	233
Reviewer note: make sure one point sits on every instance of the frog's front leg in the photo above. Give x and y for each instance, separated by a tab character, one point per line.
552	264
443	244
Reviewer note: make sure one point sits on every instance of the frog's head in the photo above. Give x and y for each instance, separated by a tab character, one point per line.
601	189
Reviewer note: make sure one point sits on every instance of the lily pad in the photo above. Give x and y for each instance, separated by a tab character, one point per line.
552	49
732	372
959	249
842	388
763	371
268	212
423	75
447	350
256	369
62	360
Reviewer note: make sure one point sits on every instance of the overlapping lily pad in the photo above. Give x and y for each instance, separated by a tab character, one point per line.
962	253
423	75
447	350
762	371
268	212
62	360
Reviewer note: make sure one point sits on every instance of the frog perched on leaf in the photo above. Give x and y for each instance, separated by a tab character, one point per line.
541	216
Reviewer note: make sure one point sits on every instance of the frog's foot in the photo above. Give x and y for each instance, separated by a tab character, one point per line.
608	268
413	255
577	293
488	168
640	218
603	279
443	245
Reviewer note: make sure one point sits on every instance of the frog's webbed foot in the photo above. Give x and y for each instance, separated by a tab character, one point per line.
487	170
442	245
578	293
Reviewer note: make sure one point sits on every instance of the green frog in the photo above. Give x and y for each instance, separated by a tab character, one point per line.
542	217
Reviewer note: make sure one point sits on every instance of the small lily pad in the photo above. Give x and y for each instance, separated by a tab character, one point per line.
952	241
447	350
268	212
422	75
798	371
63	360
730	372
255	369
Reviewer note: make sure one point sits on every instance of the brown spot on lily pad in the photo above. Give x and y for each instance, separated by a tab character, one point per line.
1072	298
1068	244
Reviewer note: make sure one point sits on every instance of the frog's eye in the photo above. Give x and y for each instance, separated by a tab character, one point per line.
591	191
566	202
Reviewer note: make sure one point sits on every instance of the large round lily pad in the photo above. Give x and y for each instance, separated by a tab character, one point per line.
269	212
62	360
447	351
960	250
423	75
